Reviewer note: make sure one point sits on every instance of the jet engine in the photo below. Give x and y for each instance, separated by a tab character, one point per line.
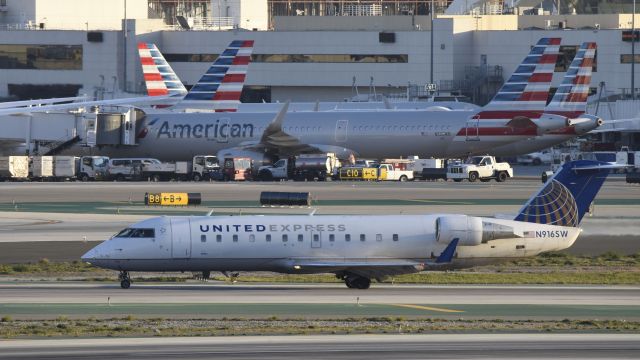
585	123
470	230
550	122
258	158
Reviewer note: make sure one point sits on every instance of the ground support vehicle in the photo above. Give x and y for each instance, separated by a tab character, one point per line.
483	168
41	167
236	169
14	168
306	167
536	158
120	169
202	167
393	173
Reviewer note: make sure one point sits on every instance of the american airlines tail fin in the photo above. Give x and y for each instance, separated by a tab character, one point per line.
571	97
566	197
158	74
529	85
222	84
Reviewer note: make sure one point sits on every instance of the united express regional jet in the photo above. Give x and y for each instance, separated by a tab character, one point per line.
356	248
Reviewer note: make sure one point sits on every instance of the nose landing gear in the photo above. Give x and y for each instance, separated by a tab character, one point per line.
125	280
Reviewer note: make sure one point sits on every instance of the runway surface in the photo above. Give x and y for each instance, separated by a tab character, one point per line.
49	300
449	346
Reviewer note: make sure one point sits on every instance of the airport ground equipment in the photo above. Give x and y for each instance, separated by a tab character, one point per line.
272	198
362	173
302	167
357	248
536	158
172	199
14	167
394	173
41	167
483	168
120	169
236	169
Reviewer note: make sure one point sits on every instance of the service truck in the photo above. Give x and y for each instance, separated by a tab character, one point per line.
202	167
483	168
83	168
394	172
309	167
14	168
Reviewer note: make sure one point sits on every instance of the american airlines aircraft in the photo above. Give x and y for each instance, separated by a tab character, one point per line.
357	248
515	114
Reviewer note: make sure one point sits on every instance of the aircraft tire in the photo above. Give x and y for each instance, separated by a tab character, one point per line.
357	282
125	284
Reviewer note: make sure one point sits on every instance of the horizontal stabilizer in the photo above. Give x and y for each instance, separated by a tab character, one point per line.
447	255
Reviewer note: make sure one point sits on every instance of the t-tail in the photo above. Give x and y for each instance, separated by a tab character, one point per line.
221	86
159	77
566	197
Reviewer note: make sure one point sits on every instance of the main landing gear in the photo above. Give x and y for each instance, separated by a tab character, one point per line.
356	282
125	280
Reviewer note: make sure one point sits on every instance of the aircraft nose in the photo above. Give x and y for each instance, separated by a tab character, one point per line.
89	255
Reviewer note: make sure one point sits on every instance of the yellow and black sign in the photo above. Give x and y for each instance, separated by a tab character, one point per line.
172	199
362	174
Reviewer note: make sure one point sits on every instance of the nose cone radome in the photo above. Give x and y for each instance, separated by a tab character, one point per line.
89	256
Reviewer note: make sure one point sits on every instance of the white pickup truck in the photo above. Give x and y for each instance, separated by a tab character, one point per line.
483	168
395	174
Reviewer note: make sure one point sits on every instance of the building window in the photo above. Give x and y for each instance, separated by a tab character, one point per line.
285	238
203	238
395	237
235	238
627	58
567	53
347	237
298	58
268	237
218	238
41	57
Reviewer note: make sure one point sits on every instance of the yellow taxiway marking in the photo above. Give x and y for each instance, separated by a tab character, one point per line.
430	308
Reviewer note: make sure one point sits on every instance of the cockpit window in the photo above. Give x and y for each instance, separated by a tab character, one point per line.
136	233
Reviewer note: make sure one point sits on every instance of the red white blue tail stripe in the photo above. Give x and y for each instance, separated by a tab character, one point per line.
571	97
158	75
528	87
222	84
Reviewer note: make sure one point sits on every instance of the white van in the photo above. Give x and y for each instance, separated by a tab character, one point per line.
128	168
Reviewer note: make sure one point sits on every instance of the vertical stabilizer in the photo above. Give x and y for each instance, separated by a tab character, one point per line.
221	86
566	197
159	77
571	97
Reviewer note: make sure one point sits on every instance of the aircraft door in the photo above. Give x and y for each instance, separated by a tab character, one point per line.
224	128
180	238
341	130
316	239
472	130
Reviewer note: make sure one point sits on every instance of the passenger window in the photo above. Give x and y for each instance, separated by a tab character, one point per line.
362	237
300	237
332	237
378	237
219	238
347	237
203	238
285	238
252	238
395	237
268	238
235	238
316	237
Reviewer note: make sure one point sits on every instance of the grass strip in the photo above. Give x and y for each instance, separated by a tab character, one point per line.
130	326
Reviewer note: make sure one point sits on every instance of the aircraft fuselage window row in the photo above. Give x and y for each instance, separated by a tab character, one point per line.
402	128
285	237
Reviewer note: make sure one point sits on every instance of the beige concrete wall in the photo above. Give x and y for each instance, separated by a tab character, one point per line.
91	14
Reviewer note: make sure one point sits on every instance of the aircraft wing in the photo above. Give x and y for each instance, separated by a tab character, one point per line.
23	103
378	268
275	140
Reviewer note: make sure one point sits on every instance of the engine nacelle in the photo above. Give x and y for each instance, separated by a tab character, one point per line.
585	123
550	122
470	230
258	159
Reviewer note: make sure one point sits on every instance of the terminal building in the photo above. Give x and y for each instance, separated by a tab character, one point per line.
326	50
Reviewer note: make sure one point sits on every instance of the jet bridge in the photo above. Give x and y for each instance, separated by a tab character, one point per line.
115	128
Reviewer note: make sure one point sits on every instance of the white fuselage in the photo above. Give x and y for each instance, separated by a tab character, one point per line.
276	243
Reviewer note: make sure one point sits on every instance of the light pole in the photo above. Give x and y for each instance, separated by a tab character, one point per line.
431	52
633	52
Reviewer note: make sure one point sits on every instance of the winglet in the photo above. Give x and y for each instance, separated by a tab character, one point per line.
276	124
447	255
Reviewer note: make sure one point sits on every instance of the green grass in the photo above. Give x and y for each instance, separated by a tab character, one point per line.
129	326
551	268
